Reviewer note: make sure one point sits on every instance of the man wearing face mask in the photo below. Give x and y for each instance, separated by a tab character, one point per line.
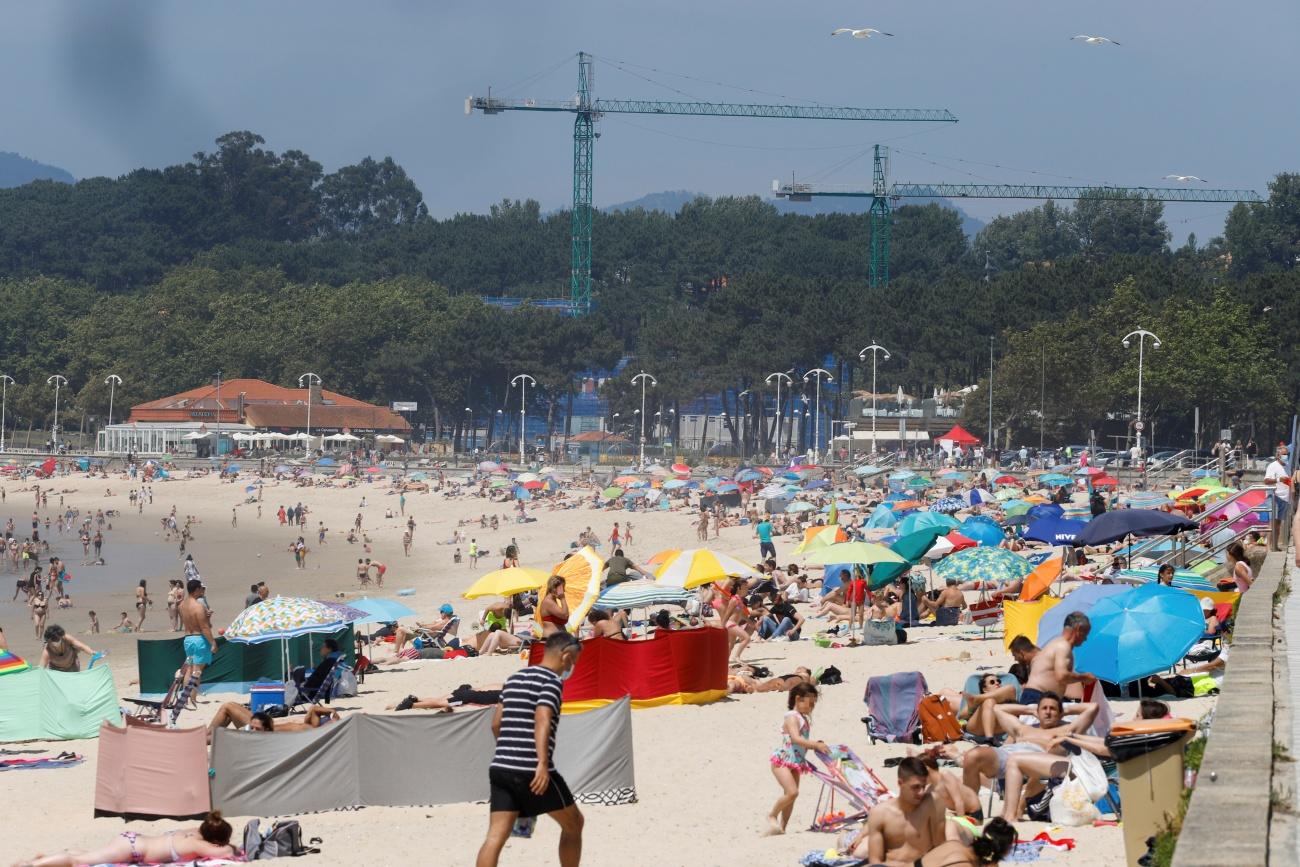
522	775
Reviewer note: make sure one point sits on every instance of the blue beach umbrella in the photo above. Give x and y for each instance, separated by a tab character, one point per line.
882	517
1054	531
1115	525
920	520
1045	510
1138	632
983	530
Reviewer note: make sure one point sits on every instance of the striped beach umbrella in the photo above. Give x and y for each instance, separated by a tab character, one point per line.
1184	578
283	617
641	594
11	664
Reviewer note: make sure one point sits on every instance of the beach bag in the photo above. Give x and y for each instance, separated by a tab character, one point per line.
830	676
1070	805
347	684
880	632
938	721
284	839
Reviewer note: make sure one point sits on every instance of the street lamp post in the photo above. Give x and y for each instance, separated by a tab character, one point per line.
5	381
56	380
740	407
1142	334
113	381
523	379
817	373
876	350
473	434
788	381
310	379
643	378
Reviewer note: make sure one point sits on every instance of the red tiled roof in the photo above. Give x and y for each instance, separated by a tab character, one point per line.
324	417
598	436
253	391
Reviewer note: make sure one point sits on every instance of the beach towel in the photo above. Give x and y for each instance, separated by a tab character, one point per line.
62	760
893	703
193	862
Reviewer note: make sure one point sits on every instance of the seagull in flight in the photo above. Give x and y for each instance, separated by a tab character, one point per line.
1182	179
1093	40
860	33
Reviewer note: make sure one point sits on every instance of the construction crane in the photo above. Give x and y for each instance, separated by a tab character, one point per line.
588	110
882	193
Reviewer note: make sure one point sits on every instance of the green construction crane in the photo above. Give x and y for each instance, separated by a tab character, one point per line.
882	192
588	110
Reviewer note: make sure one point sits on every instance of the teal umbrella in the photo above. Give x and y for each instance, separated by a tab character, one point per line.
990	565
921	520
912	548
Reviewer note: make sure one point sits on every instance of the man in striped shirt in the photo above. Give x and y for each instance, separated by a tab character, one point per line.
522	775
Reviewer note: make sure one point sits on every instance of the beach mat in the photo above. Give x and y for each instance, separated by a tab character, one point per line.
43	705
408	759
63	760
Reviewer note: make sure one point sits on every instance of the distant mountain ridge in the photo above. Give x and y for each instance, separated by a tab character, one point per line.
671	201
16	170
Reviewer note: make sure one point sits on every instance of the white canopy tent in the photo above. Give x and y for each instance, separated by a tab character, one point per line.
342	438
197	435
389	438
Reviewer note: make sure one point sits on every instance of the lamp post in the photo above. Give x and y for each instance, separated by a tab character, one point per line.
523	379
740	407
817	373
56	380
788	381
1142	334
5	381
469	424
643	378
990	395
310	379
113	381
876	350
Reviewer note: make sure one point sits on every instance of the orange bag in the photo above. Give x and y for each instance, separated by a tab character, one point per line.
938	721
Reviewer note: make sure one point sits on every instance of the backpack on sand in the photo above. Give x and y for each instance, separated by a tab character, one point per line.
938	721
284	839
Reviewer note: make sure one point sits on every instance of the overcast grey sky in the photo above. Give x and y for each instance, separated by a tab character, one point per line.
1196	88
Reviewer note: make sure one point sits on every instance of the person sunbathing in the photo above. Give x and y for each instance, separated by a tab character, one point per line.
744	681
461	695
976	711
209	840
994	843
234	714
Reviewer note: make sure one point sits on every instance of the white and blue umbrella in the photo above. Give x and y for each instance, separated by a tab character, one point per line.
641	594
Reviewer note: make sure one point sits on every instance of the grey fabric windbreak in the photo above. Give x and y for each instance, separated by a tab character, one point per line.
411	759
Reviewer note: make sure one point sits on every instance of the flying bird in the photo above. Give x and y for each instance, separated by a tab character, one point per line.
860	33
1093	40
1182	179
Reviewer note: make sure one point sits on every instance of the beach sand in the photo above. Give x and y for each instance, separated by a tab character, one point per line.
703	779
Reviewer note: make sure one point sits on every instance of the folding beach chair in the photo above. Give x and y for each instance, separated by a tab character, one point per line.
152	711
843	773
440	638
893	707
319	685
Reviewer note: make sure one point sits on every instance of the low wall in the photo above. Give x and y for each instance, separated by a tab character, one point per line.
1227	821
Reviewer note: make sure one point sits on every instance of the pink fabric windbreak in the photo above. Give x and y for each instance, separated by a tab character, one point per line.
149	772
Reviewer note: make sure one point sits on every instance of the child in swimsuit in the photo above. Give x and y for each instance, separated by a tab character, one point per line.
789	759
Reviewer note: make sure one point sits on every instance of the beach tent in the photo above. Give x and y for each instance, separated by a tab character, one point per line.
43	705
411	759
147	771
959	436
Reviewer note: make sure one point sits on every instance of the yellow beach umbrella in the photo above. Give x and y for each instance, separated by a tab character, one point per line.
508	582
697	566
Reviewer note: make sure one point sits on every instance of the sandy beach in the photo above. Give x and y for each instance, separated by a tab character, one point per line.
703	780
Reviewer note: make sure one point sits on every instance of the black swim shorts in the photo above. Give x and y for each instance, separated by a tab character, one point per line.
510	794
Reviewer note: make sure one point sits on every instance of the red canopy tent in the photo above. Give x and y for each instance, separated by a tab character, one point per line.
960	435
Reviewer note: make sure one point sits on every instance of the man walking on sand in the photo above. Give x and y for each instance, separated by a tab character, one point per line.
199	645
522	777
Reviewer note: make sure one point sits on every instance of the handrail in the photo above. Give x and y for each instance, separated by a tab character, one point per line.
1161	468
1140	549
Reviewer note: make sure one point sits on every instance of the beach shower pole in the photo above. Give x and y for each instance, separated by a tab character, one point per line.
523	379
817	373
875	349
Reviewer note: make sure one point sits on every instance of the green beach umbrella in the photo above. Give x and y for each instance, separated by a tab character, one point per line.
992	565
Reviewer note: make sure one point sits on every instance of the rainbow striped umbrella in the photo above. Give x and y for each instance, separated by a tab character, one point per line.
283	617
11	664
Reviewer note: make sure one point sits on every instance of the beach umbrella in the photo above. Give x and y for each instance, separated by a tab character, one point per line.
919	483
953	475
989	565
662	556
626	480
1004	494
1054	480
816	484
911	548
499	483
680	469
641	594
381	610
1147	500
1006	480
1206	493
507	582
862	553
349	613
634	494
821	537
948	543
1040	580
977	496
1183	578
282	618
11	664
800	506
1082	600
902	474
1011	508
1045	510
727	487
947	505
868	470
984	531
583	573
696	566
882	517
749	476
674	484
1137	632
1054	531
326	462
1119	523
921	520
1105	481
1089	471
527	477
611	493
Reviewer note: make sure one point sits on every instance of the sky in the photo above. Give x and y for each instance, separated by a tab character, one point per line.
1195	88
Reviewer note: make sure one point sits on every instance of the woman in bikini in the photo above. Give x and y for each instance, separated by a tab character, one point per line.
40	608
553	610
994	844
209	840
142	603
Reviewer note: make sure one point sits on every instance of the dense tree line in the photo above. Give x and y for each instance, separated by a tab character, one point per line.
260	264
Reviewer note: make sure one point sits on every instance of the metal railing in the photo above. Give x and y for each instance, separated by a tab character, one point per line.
1185	556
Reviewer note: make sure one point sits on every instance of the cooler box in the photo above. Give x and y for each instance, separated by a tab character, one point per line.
263	695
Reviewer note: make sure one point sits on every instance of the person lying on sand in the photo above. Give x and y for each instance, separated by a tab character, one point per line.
239	716
209	840
461	695
743	681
